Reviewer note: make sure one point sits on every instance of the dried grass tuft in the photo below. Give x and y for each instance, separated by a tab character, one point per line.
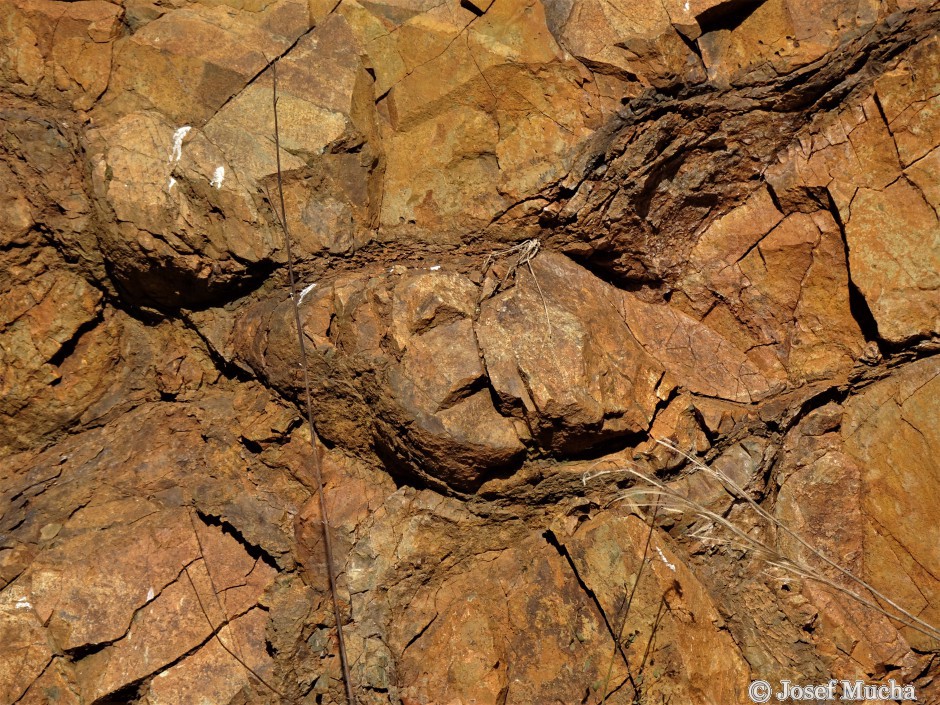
524	253
718	529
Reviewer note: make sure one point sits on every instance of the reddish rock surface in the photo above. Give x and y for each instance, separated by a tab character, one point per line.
533	238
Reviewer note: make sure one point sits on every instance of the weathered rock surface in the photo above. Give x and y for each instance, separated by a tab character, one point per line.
532	239
867	461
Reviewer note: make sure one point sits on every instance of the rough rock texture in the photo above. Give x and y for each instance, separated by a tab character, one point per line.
533	238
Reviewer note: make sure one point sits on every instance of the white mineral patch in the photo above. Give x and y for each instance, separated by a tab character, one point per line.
306	291
218	177
662	555
178	137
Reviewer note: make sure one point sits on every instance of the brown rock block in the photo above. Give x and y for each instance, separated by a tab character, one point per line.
59	51
183	226
571	360
697	357
198	57
16	217
145	596
841	152
439	383
825	339
671	632
796	290
212	674
721	417
891	433
679	422
145	649
56	686
124	573
894	255
89	587
909	95
25	651
480	644
334	210
153	456
437	60
237	578
324	98
67	361
355	497
925	175
477	111
544	115
767	39
382	26
410	340
891	225
729	238
633	40
558	354
440	380
42	315
778	289
424	301
44	187
858	484
454	176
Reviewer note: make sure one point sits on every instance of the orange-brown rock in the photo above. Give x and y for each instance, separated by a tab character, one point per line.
633	41
199	58
60	52
558	353
538	246
670	625
487	650
867	463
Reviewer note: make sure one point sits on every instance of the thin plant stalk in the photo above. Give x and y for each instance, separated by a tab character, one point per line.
764	514
626	610
217	629
526	252
314	437
767	553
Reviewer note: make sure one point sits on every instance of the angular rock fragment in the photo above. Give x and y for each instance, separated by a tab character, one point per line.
558	355
212	673
199	57
182	226
632	40
607	553
25	652
894	253
479	643
59	52
776	37
891	432
42	315
475	110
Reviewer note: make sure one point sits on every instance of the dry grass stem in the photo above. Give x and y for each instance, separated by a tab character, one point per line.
314	437
524	253
652	492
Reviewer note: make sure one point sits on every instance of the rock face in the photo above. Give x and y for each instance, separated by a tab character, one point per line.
532	239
